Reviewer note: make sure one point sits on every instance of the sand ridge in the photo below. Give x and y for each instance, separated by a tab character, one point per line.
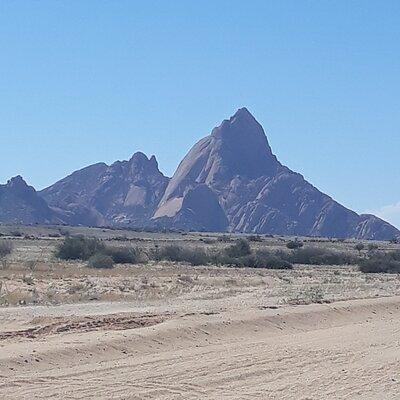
342	350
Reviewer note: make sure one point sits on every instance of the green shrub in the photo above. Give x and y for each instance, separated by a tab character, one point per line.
381	262
79	248
194	256
258	259
294	244
359	247
240	249
123	255
207	240
238	255
263	259
254	238
169	253
54	235
64	232
16	233
224	238
101	261
320	256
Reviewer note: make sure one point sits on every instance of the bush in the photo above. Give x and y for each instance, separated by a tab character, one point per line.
224	238
100	261
238	255
6	248
54	235
258	259
194	256
240	249
359	247
123	255
79	248
381	262
169	253
254	238
294	244
16	233
64	232
319	256
207	240
263	259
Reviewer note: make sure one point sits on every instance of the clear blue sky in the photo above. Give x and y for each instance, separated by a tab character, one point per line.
89	81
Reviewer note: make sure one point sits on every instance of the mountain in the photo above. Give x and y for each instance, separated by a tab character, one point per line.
239	175
20	204
230	181
124	193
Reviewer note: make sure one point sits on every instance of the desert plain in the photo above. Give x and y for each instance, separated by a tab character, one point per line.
168	330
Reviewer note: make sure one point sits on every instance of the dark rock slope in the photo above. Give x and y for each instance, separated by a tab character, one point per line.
255	192
20	204
124	193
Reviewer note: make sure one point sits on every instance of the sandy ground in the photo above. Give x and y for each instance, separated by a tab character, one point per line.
173	331
342	350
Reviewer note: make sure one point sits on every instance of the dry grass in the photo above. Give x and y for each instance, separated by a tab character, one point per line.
35	276
149	323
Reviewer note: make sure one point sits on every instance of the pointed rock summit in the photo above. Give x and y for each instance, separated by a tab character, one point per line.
256	193
242	136
17	182
236	149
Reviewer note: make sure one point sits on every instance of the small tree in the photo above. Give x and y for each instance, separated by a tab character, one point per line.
100	261
239	249
294	244
254	238
79	248
359	247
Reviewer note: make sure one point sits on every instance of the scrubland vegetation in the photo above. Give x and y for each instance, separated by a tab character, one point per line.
43	265
94	251
381	262
239	254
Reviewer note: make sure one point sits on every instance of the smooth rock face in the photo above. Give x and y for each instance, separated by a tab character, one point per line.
256	192
20	204
124	193
199	210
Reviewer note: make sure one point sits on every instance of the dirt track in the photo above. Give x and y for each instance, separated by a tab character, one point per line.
344	350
